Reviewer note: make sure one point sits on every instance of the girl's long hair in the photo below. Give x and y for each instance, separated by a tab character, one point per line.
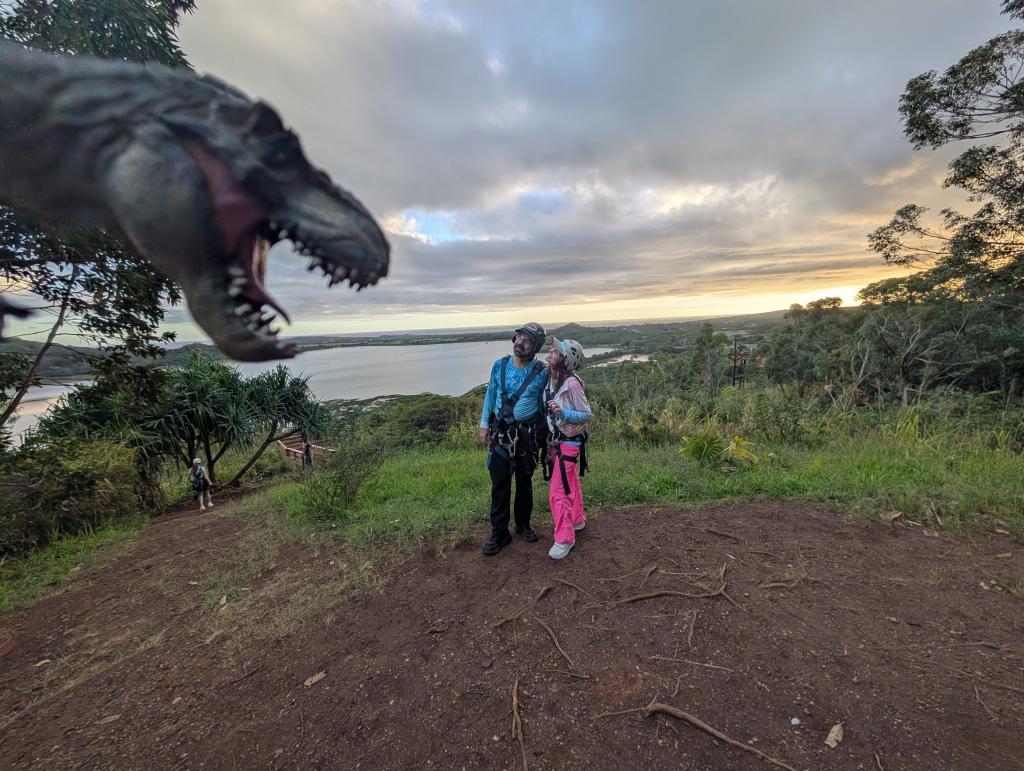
557	374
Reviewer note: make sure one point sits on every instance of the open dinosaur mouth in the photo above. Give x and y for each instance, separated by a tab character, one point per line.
247	231
245	276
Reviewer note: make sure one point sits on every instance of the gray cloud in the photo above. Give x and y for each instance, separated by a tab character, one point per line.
623	150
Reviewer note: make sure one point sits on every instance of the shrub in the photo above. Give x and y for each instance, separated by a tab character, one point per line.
328	492
706	449
63	488
739	450
709	449
774	416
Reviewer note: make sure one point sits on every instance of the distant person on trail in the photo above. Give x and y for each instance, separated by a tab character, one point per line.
512	426
200	483
567	413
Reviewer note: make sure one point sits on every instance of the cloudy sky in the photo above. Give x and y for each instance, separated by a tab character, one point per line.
599	159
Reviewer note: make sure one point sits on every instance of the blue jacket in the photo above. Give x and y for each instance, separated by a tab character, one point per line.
529	404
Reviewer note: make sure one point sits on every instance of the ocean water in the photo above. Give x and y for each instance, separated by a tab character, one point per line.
449	369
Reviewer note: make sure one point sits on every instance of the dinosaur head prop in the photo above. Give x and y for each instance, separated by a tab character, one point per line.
202	180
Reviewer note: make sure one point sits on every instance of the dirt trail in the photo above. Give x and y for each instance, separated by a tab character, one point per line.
764	612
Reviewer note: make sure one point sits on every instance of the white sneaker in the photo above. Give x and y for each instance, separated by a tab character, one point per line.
579	525
559	550
202	508
209	505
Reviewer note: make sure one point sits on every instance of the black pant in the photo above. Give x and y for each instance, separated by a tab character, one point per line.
501	490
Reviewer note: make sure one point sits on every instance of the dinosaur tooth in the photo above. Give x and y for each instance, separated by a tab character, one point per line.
236	271
234	291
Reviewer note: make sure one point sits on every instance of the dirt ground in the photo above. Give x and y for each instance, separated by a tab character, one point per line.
769	622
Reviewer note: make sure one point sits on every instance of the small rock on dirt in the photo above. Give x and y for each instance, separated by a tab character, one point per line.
313	680
835	736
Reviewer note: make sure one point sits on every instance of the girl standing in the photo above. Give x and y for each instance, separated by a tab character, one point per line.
568	413
200	483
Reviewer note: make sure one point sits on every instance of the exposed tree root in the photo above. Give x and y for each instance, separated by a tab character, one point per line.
687	661
554	639
679	681
524	607
651	570
570	674
517	723
652	595
620	712
667	709
620	578
779	584
575	586
977	695
719	592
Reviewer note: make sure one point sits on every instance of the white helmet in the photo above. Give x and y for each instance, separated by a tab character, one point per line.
195	461
571	351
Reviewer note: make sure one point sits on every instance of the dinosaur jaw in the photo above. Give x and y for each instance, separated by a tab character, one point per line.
340	239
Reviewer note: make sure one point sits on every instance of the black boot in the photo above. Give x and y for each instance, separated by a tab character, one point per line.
496	543
528	534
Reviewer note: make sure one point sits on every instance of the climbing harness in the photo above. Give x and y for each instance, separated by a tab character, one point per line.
506	432
555	439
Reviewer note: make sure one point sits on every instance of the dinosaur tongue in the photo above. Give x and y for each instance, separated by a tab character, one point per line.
238	215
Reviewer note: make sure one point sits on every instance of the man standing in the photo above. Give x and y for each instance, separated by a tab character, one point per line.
511	424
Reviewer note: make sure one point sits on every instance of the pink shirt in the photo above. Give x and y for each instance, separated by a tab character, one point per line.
576	411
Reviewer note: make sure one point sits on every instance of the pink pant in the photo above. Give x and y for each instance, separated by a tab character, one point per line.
566	510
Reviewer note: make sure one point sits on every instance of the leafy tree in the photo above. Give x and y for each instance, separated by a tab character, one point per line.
118	413
85	278
203	408
977	256
281	404
974	258
708	363
62	488
133	30
812	347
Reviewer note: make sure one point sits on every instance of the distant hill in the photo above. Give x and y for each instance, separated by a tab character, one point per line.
73	361
654	336
60	361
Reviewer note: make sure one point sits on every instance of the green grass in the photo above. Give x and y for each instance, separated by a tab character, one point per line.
433	497
437	495
26	580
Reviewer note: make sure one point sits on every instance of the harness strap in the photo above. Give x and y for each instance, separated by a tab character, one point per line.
548	467
508	403
561	467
